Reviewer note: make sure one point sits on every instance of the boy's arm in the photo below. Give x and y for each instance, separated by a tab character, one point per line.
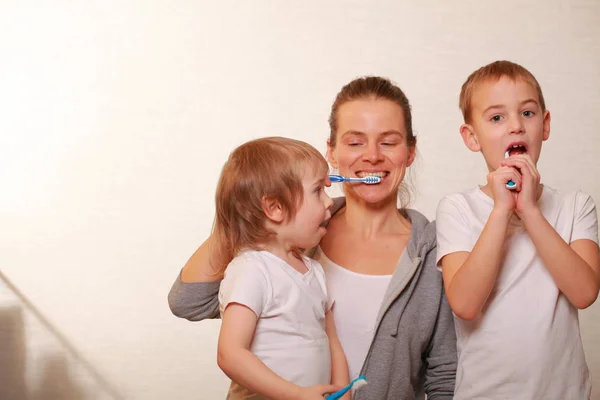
469	277
339	364
575	268
243	367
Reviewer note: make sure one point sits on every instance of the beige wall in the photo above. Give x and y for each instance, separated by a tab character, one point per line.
116	117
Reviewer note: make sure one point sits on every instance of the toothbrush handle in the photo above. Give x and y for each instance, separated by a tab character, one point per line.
337	178
338	395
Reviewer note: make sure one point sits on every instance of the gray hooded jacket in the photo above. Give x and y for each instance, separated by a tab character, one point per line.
413	351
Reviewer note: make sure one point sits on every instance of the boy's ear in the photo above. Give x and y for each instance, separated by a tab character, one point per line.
546	125
331	155
468	136
272	209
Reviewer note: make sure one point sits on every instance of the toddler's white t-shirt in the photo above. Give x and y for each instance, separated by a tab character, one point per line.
290	335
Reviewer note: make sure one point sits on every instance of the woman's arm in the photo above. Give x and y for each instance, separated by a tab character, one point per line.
440	357
193	296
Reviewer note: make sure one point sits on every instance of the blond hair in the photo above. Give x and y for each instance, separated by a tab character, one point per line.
493	72
272	168
371	87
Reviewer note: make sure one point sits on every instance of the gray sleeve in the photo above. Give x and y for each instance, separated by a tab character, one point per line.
194	301
440	357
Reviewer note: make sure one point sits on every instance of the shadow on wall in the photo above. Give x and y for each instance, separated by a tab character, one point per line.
55	382
12	354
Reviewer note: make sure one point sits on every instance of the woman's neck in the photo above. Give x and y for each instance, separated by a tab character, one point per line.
370	220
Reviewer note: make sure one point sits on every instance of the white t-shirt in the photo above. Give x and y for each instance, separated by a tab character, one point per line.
290	335
526	344
358	299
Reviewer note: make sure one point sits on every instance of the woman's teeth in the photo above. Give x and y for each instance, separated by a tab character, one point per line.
364	174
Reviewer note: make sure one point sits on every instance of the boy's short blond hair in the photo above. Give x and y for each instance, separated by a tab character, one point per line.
495	71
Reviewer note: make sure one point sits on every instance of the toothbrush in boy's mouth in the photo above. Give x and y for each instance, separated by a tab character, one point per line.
510	184
369	180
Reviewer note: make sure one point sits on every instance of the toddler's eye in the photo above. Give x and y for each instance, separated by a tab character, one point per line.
527	113
496	118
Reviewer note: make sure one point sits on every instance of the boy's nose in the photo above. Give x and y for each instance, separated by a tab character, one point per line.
516	125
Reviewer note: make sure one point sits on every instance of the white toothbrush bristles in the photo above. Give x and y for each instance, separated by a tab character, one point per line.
359	383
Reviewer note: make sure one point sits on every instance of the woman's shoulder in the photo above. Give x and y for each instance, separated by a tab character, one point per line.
422	237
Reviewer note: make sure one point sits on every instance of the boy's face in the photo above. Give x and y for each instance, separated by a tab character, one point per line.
506	116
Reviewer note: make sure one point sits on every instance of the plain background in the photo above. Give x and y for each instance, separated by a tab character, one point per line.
117	116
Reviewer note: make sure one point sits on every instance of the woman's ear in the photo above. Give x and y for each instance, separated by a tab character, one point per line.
412	154
331	155
272	209
469	138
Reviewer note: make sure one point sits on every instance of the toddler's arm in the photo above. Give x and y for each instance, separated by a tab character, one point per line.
339	364
243	367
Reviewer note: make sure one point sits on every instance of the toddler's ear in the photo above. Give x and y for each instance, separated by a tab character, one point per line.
468	136
272	209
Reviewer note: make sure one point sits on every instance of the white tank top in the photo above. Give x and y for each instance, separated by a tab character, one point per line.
357	300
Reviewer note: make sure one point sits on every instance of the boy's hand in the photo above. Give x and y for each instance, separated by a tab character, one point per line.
526	192
316	392
504	198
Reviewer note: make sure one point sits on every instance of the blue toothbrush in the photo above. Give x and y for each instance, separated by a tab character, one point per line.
369	180
510	184
357	382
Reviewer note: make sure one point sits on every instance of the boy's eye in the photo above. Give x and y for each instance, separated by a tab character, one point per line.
496	118
527	113
388	144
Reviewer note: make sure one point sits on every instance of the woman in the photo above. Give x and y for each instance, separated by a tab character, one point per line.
390	311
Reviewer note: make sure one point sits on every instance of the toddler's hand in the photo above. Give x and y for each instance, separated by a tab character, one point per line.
504	198
316	392
526	196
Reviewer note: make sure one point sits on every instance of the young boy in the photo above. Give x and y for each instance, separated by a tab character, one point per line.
517	263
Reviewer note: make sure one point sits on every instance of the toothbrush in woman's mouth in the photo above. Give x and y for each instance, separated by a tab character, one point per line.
369	179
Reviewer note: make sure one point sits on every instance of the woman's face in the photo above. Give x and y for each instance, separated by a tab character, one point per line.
371	140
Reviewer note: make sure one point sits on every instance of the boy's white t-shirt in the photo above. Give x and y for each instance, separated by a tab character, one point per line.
526	344
290	335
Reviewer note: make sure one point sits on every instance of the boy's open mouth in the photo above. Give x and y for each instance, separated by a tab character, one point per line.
515	148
